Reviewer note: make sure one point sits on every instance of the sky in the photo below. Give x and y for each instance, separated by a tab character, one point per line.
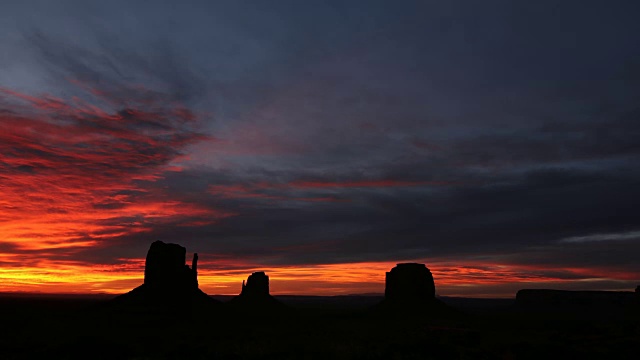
322	142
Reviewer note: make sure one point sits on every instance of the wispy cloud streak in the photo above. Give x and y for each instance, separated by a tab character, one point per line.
631	235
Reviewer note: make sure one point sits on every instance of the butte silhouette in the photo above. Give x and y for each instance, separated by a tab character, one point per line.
410	291
255	297
168	281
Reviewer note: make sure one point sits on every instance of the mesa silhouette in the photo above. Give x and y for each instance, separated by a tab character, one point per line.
411	292
255	296
409	289
168	281
168	316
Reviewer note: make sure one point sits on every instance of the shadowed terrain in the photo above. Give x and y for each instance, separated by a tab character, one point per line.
81	327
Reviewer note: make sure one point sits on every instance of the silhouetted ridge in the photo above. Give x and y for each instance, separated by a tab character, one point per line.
167	279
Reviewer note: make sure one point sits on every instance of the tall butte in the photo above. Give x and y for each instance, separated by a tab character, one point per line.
168	281
411	291
165	268
409	282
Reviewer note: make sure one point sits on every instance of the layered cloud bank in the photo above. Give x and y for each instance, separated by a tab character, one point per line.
321	144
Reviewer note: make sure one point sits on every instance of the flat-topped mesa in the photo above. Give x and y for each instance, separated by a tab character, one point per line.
257	285
165	268
409	282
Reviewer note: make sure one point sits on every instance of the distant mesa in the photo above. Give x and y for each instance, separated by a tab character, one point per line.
411	291
255	295
165	268
257	285
409	282
167	279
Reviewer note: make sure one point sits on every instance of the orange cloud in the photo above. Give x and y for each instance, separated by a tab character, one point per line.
73	174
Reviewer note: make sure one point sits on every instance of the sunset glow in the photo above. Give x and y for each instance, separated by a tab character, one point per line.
332	279
79	177
322	147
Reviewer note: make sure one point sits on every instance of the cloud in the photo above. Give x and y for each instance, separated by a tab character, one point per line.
344	137
364	184
69	169
632	235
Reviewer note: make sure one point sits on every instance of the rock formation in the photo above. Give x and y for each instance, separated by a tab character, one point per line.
409	282
257	285
254	296
410	295
167	279
165	268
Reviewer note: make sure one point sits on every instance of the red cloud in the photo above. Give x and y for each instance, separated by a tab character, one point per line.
73	174
239	192
256	192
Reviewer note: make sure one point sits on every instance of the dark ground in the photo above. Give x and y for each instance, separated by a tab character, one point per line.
82	327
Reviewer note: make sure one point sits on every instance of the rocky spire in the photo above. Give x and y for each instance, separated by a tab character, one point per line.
194	267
